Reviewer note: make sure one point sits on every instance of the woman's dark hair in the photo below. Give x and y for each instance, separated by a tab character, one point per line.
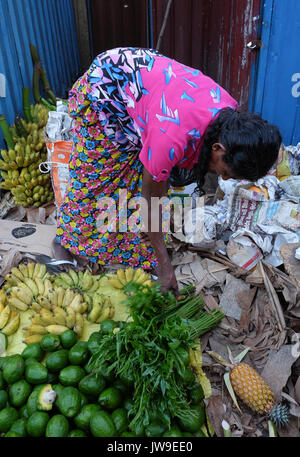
252	146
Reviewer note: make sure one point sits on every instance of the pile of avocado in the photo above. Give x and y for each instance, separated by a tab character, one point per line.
49	391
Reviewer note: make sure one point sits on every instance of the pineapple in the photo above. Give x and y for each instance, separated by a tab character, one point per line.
253	389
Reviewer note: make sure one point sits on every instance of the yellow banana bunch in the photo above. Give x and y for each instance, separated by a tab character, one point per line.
31	270
65	280
16	303
59	315
97	305
13	324
107	313
77	304
4	316
123	277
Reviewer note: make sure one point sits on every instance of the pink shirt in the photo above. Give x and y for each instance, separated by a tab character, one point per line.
173	116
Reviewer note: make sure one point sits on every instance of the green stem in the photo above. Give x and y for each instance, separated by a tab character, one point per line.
34	54
48	105
6	132
19	126
26	104
36	82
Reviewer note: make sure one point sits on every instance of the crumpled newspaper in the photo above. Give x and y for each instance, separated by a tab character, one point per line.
59	126
268	222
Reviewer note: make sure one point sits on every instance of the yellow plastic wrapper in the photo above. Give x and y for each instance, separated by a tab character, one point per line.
196	363
283	166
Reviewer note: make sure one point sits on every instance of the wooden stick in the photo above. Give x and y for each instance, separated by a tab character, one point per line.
273	298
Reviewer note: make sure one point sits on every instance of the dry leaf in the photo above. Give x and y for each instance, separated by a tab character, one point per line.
228	300
278	369
215	412
297	390
10	258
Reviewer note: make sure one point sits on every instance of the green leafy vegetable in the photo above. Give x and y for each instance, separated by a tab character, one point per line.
146	351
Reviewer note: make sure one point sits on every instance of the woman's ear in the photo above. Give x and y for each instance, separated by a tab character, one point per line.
219	148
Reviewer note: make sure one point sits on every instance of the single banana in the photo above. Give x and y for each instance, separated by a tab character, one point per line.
16	271
142	278
22	294
95	313
84	307
80	275
79	324
24	270
40	285
70	319
149	283
2	297
88	299
36	307
56	329
44	302
36	319
115	282
59	315
137	274
72	273
65	277
4	316
121	276
68	297
108	313
53	296
48	286
32	339
12	279
30	267
42	271
77	300
32	285
12	325
129	272
95	286
35	329
14	301
60	296
87	280
47	317
1	307
36	270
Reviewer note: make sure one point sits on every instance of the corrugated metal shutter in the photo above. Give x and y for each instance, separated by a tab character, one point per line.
211	35
50	26
276	96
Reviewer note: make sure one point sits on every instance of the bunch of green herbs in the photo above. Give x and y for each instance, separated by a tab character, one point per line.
147	352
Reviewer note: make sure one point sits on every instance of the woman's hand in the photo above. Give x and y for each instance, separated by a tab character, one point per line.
165	270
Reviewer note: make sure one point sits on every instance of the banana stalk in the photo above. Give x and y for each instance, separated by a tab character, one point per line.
26	104
6	132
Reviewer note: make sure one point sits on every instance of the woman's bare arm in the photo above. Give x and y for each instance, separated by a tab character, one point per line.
152	189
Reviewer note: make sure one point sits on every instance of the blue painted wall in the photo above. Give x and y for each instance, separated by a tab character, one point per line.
50	26
276	84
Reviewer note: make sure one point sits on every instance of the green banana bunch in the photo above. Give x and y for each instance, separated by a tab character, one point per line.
85	282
